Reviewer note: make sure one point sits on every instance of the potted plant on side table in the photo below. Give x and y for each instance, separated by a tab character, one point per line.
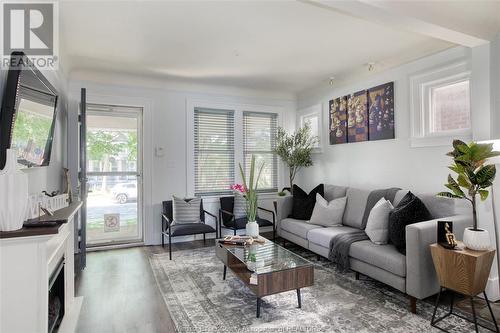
475	177
249	192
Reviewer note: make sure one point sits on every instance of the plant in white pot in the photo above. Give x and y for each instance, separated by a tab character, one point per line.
474	178
249	192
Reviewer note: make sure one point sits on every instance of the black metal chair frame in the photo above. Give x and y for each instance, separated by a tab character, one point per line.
223	212
166	222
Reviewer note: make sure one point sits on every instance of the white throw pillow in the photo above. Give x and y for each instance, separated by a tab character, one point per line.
185	211
377	225
328	214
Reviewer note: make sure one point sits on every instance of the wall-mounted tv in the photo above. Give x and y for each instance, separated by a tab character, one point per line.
28	114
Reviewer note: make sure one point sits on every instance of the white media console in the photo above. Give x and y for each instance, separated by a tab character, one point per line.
30	259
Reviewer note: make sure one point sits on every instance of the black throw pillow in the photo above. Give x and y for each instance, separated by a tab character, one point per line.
410	210
303	203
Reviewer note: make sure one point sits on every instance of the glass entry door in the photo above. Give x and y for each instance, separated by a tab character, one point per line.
114	170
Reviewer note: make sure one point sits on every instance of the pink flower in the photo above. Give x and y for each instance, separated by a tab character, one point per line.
239	188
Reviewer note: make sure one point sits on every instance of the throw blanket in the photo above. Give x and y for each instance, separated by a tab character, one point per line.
341	244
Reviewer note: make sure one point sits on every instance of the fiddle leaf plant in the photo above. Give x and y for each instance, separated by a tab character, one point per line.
295	149
474	176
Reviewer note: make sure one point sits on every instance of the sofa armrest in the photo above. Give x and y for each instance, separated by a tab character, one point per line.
284	209
421	279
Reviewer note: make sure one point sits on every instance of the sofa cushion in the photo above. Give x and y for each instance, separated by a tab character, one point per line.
326	213
377	226
297	227
439	207
323	236
334	192
386	257
355	207
303	203
409	210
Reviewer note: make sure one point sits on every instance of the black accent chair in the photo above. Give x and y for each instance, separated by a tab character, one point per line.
167	229
227	219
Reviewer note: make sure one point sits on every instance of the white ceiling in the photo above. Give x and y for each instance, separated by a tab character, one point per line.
270	45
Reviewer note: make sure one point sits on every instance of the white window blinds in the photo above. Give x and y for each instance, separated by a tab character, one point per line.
213	151
259	139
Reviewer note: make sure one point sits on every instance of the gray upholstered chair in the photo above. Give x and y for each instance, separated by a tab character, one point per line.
169	230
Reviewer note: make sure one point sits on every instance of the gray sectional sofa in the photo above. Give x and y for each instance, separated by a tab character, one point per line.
412	274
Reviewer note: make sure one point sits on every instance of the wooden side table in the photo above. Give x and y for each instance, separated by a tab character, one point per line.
465	272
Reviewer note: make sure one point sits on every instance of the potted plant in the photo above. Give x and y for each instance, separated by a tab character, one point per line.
249	192
474	177
295	149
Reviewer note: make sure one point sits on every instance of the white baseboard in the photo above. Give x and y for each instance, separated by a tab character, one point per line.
70	320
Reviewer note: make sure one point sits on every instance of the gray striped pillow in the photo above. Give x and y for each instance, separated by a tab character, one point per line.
240	206
186	211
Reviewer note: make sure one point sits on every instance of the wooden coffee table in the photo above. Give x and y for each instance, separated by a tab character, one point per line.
275	269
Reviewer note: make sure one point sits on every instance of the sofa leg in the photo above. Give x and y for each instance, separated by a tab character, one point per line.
318	257
413	304
284	242
357	275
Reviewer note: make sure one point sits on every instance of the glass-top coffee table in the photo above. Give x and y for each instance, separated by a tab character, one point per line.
266	268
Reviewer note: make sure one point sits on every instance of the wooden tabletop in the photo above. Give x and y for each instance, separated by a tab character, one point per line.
62	215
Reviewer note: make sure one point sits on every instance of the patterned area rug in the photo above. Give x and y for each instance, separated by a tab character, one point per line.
200	301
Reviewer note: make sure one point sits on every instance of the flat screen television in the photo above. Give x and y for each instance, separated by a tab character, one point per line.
28	114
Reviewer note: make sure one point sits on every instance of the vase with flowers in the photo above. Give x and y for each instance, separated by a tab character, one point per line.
249	191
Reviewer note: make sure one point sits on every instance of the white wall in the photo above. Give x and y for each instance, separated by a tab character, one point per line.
49	178
165	126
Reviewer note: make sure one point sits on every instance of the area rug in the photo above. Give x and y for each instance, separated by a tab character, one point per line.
200	301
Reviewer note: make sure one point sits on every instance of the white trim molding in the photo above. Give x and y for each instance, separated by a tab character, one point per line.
421	86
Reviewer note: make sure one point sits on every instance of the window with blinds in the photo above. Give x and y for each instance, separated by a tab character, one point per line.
259	139
213	151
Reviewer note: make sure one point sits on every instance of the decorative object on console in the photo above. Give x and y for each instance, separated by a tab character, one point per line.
475	177
328	214
357	117
338	120
303	203
409	210
67	182
14	194
295	149
381	112
249	191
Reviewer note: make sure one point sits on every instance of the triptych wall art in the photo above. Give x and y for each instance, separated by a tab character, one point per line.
362	116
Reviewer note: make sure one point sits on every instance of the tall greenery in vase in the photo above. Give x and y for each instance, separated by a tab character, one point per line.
249	189
474	176
295	149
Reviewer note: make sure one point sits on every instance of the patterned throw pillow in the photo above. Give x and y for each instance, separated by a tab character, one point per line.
186	210
240	207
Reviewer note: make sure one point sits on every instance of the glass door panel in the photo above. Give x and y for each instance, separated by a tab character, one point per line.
114	170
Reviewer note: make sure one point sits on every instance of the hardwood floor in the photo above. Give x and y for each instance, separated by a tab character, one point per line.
121	295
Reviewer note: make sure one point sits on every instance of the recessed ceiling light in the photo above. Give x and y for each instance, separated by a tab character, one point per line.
371	66
332	80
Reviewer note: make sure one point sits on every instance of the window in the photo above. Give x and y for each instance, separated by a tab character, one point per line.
440	106
312	115
259	139
213	151
450	107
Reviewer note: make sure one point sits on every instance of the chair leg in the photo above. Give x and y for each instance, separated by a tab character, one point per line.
234	231
357	276
162	239
170	247
204	238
